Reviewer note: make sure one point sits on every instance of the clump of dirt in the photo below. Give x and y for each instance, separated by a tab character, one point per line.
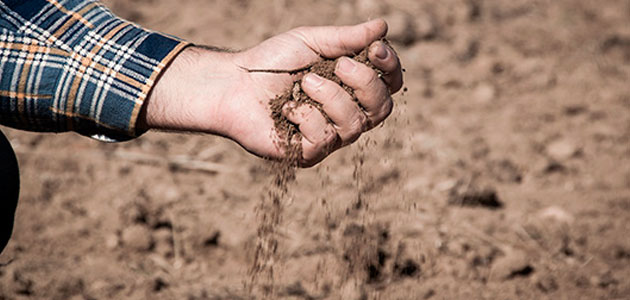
475	196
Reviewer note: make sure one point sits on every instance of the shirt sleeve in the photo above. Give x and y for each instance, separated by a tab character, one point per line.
73	66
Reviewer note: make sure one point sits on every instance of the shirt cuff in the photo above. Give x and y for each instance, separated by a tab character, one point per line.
119	123
119	116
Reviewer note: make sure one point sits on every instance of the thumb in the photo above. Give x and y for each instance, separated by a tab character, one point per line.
335	41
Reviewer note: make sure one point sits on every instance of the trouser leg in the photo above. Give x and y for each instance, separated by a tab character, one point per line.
9	190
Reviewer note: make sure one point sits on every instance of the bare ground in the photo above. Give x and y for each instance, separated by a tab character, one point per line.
504	172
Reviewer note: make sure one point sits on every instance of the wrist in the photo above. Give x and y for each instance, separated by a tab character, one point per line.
190	93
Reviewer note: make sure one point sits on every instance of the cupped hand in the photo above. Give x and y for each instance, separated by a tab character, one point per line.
213	92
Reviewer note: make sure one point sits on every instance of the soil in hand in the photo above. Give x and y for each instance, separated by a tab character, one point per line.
287	131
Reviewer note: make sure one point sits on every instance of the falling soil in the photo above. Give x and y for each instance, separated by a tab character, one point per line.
271	207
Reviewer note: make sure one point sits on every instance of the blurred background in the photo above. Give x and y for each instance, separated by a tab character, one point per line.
504	171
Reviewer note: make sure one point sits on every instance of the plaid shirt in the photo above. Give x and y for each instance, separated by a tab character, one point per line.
72	65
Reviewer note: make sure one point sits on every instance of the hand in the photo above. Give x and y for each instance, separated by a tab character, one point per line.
212	92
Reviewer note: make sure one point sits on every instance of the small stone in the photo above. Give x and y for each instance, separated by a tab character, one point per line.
546	284
163	239
401	27
137	237
484	93
562	150
407	259
446	185
111	241
466	47
514	263
557	214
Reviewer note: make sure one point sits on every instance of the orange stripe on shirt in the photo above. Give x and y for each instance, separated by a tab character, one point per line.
16	95
85	61
69	23
33	46
26	69
72	14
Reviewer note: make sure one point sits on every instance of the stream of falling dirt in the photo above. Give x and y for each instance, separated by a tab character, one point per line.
269	212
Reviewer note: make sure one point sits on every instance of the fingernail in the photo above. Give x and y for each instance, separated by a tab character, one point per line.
346	65
313	80
381	52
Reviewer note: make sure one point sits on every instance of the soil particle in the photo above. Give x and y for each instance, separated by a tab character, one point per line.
471	195
546	283
484	93
562	150
505	171
406	260
163	238
514	263
137	237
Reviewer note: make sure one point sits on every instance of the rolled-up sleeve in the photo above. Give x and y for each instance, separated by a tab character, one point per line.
74	66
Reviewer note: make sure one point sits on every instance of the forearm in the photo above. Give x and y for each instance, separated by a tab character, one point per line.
190	94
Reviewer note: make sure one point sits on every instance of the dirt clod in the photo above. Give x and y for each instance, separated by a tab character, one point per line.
137	237
471	195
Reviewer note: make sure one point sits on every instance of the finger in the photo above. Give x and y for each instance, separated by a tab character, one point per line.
313	153
350	121
311	123
369	89
384	58
335	41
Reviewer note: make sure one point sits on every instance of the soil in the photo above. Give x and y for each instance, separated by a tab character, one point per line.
325	68
503	173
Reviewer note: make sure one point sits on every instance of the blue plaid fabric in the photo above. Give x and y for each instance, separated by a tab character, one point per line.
71	65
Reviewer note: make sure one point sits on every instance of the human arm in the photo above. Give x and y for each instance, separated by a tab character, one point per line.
212	91
77	67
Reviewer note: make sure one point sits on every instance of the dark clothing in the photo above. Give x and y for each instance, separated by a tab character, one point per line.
9	190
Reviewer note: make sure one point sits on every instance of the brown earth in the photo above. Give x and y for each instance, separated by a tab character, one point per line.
504	172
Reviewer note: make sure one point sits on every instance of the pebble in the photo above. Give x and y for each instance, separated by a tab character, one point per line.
562	150
556	214
513	262
163	241
111	241
408	258
484	93
137	237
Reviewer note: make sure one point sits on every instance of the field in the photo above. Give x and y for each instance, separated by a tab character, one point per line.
503	173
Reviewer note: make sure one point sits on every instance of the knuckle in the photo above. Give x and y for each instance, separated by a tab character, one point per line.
335	92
